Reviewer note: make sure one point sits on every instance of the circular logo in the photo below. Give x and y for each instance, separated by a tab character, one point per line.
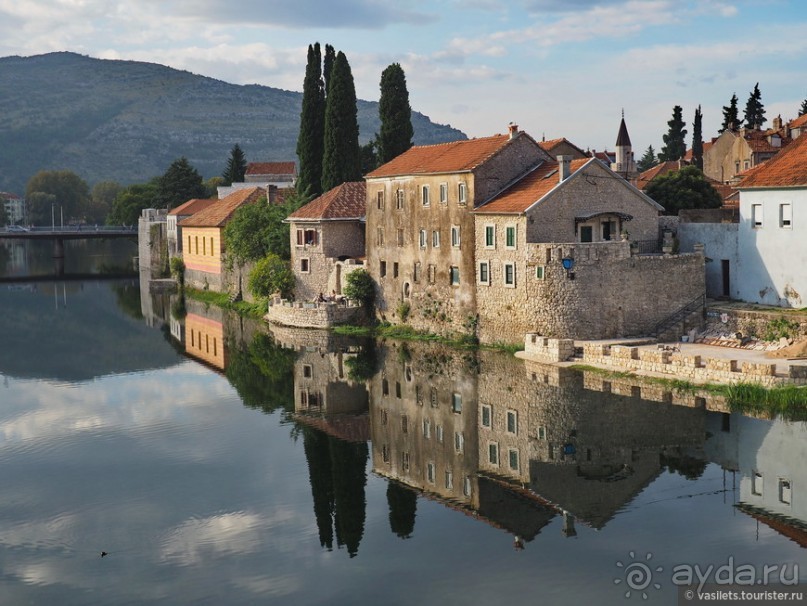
638	575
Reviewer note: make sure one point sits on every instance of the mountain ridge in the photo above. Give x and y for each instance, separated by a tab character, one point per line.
126	121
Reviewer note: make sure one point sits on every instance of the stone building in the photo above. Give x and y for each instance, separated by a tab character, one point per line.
736	151
550	254
203	244
327	240
276	178
420	248
624	164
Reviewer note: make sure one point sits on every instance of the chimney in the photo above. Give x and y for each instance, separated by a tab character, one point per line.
512	128
564	167
777	122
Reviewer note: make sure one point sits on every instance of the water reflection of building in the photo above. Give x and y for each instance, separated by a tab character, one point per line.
769	457
204	339
516	443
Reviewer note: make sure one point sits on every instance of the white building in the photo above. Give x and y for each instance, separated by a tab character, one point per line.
772	235
15	207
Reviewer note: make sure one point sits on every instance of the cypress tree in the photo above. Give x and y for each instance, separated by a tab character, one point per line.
754	110
395	113
803	108
312	126
675	139
341	159
697	139
330	55
236	166
730	115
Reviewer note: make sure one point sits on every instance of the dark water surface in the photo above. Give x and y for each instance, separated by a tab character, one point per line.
219	462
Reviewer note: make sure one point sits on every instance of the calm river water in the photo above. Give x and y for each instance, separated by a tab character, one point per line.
218	461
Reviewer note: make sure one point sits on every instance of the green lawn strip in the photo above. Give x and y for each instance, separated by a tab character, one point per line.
222	299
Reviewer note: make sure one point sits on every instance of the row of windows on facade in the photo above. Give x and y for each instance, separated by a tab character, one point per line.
205	250
431	471
484	275
197	342
784	488
510	237
456	398
785	216
425	196
439	433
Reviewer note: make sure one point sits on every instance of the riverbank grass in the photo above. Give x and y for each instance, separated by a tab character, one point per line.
222	299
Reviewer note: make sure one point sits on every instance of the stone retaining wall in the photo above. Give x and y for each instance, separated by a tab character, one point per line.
312	315
551	350
690	367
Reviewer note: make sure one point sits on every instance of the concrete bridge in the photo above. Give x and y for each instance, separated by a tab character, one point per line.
71	232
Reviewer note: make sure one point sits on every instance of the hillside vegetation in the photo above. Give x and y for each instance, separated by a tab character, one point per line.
126	121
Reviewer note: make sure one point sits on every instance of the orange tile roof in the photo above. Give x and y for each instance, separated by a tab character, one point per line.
192	206
645	178
798	122
788	168
346	201
548	146
218	213
456	156
535	185
270	168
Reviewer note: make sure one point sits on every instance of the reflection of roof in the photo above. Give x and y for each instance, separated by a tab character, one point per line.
270	168
793	529
345	201
527	191
352	428
192	206
217	214
456	156
787	169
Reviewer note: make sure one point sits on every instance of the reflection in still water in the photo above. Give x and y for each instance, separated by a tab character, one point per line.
514	444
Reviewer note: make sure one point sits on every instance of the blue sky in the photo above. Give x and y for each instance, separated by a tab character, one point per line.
555	67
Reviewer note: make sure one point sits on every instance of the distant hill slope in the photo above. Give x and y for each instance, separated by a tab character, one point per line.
126	121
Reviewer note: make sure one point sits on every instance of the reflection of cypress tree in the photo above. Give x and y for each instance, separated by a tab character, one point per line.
318	456
402	505
349	462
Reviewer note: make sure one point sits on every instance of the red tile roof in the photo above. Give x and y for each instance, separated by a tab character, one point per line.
270	168
645	178
798	122
192	206
549	146
788	168
456	156
221	211
534	186
346	201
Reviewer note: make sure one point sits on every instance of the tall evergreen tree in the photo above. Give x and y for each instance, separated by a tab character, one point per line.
312	127
803	108
648	159
754	110
395	113
330	56
402	504
675	139
236	166
730	115
697	139
341	159
180	183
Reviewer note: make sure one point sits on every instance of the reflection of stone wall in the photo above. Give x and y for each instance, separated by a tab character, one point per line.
321	385
423	420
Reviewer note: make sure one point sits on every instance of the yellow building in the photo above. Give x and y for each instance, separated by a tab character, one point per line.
202	244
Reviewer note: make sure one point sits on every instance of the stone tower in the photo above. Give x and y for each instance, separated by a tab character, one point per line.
624	164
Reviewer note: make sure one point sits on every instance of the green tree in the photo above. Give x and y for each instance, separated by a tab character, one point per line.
402	503
130	201
754	110
369	156
212	186
648	159
395	113
697	139
312	127
70	194
803	108
271	275
341	162
180	183
327	68
236	166
675	139
360	287
730	115
102	197
42	208
683	189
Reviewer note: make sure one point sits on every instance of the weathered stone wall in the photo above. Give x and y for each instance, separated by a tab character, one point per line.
550	350
758	324
720	244
593	189
313	315
717	161
613	294
152	242
203	280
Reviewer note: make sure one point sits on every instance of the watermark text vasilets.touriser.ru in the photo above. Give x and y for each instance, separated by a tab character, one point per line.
639	576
